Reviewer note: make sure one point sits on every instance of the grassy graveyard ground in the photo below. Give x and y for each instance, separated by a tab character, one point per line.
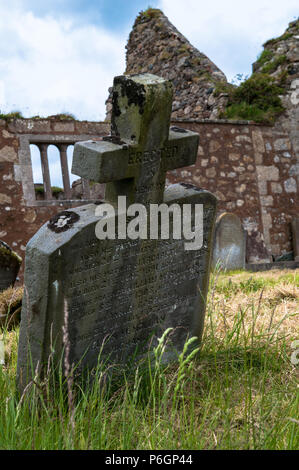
242	393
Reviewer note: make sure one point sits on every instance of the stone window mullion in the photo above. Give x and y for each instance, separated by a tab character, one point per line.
45	170
65	170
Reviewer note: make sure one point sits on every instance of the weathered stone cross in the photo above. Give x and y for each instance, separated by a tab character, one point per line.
134	159
85	296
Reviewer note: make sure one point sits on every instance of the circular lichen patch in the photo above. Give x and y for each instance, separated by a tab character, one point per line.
63	221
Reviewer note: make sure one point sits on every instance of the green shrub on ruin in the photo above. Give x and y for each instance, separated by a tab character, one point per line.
63	117
283	37
265	56
260	90
148	14
12	115
256	99
273	65
56	190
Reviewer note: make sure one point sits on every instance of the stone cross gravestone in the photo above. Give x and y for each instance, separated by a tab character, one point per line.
117	296
10	264
229	242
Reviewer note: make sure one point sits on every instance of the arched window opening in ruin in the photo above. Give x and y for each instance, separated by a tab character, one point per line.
36	165
45	170
55	171
51	165
69	152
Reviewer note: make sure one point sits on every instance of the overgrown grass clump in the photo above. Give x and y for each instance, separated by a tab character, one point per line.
39	189
269	61
18	115
62	117
284	37
265	56
10	307
11	116
148	14
256	99
240	393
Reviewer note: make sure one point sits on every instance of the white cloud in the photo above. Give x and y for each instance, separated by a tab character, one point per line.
231	32
49	66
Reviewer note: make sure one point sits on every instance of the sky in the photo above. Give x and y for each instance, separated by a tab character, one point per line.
60	56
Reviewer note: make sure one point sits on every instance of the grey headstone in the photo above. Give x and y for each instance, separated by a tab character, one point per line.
123	294
295	237
229	242
10	264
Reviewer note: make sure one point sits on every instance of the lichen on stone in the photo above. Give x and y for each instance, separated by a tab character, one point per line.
8	258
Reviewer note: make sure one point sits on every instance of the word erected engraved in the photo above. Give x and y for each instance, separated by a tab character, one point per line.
116	297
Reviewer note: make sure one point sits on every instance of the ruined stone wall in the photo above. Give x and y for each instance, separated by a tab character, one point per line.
251	169
19	220
156	46
280	59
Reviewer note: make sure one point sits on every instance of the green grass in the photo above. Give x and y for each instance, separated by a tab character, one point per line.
18	115
241	393
148	14
250	112
226	285
256	99
265	56
12	115
56	190
284	37
272	65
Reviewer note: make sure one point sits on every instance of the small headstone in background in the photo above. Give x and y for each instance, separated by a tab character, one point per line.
229	242
295	236
10	264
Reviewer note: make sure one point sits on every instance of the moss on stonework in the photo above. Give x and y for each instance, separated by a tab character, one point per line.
273	41
259	97
158	26
183	48
148	14
56	190
63	117
271	66
223	87
201	76
8	256
18	115
164	55
294	25
196	61
11	116
256	99
265	56
281	78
